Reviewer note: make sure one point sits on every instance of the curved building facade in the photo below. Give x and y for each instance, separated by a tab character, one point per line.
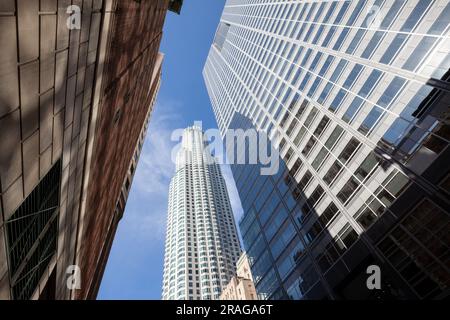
202	246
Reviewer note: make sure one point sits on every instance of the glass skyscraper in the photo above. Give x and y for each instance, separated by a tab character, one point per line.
202	246
355	95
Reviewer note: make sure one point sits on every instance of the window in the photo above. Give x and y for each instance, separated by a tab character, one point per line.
278	219
313	199
351	79
338	100
416	15
332	173
404	249
395	46
346	237
349	150
267	285
309	145
348	189
323	221
305	180
29	250
221	35
321	127
367	166
352	109
371	120
297	165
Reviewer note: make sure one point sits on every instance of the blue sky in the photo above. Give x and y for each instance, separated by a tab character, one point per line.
135	265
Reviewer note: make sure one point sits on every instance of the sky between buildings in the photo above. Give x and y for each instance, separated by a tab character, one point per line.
135	265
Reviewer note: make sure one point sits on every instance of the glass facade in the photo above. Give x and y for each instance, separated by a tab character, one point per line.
355	96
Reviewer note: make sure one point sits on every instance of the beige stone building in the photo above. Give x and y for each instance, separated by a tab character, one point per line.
241	286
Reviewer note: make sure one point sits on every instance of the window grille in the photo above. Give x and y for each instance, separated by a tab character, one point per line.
32	234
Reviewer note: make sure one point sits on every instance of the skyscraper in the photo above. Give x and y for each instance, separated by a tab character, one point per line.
74	107
355	96
202	246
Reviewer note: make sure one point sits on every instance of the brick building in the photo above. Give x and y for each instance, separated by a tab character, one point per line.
74	109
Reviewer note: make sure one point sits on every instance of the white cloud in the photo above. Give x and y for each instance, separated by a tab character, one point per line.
155	166
146	211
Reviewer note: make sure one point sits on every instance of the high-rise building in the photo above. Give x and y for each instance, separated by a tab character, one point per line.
202	245
77	84
355	96
241	286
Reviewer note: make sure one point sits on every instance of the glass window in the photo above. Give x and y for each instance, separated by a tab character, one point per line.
392	13
365	217
341	39
352	109
310	117
373	43
334	106
342	12
351	79
396	132
355	41
370	121
356	11
309	145
329	36
391	91
349	149
370	83
323	153
321	126
348	190
282	240
367	166
441	22
256	249
268	285
272	202
326	65
395	46
247	221
305	81
261	266
397	184
312	200
328	88
416	15
419	53
305	180
251	235
337	72
346	237
333	138
332	173
276	222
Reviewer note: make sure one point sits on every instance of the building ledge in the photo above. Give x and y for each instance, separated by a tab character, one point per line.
175	6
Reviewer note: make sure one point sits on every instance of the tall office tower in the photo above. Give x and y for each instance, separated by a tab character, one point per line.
355	95
77	83
202	246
